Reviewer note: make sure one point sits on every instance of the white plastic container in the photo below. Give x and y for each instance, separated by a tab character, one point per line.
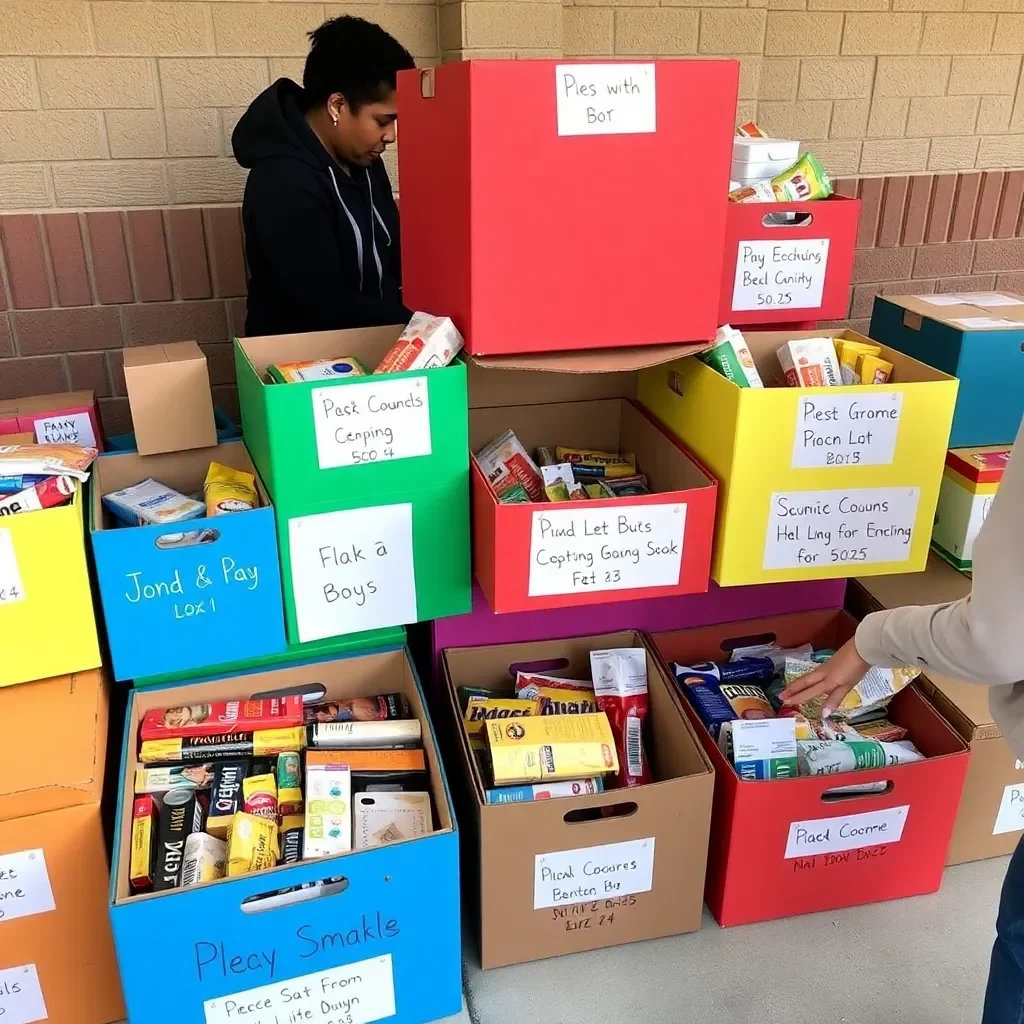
757	159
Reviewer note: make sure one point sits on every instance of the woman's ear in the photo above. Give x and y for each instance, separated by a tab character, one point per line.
336	106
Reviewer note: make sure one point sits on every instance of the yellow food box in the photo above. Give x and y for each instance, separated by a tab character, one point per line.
480	711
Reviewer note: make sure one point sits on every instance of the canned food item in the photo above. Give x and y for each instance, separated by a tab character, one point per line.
182	815
206	859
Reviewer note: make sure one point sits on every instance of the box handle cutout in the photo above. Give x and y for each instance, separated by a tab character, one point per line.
912	320
675	383
293	894
832	796
756	640
547	667
177	541
787	220
427	84
312	693
582	814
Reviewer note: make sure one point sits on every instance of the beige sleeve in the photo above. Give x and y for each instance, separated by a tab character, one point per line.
981	638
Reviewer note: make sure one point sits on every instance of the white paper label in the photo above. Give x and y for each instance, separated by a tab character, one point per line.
576	550
11	588
352	570
354	994
988	299
840	527
72	428
847	430
24	886
940	300
1011	810
605	99
594	872
848	832
21	998
373	421
986	323
780	275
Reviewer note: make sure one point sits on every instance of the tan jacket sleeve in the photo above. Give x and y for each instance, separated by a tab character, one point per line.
980	638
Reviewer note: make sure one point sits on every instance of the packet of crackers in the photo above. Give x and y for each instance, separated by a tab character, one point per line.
480	711
507	464
589	462
48	493
221	718
428	342
47	460
252	844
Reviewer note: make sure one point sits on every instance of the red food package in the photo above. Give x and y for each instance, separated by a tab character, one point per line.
221	718
620	683
48	493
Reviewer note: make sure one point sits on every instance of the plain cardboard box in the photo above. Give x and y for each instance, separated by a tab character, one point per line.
50	809
502	842
169	396
994	788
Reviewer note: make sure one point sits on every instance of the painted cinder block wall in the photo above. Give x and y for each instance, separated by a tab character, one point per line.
118	194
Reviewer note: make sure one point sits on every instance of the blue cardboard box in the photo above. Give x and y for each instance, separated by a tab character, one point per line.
185	595
368	935
978	337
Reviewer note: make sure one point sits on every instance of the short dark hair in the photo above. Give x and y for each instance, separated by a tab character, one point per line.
354	57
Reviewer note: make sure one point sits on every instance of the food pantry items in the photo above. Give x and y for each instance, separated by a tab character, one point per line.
315	369
229	490
426	343
358	709
810	363
544	791
805	180
758	158
551	747
620	685
149	503
731	357
870	696
50	492
510	470
222	718
34	477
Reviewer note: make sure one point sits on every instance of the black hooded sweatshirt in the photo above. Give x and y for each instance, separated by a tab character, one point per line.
322	245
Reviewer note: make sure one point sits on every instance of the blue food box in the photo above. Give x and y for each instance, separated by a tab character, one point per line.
368	935
185	595
976	336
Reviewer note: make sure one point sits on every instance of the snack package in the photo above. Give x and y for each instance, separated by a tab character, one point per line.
560	484
762	748
848	353
751	131
252	844
873	369
748	700
289	783
229	490
882	730
382	818
529	684
328	810
730	356
566	702
426	343
149	503
262	743
479	712
386	707
221	718
291	835
260	795
872	694
48	493
810	363
206	859
620	684
626	486
71	460
544	791
700	683
551	747
22	482
226	797
778	655
756	192
365	735
600	488
587	462
804	181
140	874
315	369
831	757
178	776
506	463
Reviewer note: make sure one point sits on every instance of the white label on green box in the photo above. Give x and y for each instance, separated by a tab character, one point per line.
846	430
21	998
787	274
11	588
352	570
376	420
857	526
24	886
578	549
848	832
1010	817
592	873
356	993
605	99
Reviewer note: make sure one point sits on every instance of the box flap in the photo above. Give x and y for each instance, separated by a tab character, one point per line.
46	403
970	699
970	311
939	583
984	464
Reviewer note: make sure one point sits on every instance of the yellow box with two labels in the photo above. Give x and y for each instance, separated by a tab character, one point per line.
815	483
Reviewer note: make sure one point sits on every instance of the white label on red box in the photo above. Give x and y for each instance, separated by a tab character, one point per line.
846	430
67	428
357	993
785	274
21	998
11	588
857	526
372	421
594	872
24	886
580	550
352	570
1011	810
605	99
847	832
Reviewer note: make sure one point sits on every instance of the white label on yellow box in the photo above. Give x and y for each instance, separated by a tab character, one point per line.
780	274
605	99
373	421
24	886
846	430
819	529
357	993
352	570
594	872
11	588
1011	810
847	832
579	550
21	998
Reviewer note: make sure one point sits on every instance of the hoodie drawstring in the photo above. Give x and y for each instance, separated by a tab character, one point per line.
373	236
355	230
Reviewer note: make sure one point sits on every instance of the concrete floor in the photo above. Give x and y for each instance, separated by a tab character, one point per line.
919	961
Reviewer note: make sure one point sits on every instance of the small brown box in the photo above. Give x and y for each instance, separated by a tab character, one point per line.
169	395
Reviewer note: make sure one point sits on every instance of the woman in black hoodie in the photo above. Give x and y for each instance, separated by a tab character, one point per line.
321	224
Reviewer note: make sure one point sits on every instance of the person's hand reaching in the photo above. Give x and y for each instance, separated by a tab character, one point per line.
836	678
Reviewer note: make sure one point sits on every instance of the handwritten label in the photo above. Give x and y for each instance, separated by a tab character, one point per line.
187	595
374	421
24	886
590	916
575	550
847	430
841	527
11	588
70	428
576	876
1010	817
848	832
353	570
21	998
605	99
354	994
780	275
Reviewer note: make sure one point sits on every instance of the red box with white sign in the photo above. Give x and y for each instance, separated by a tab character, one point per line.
794	846
788	262
66	418
540	225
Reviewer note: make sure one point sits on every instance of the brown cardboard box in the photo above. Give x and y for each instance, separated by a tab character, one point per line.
169	395
55	934
508	887
991	816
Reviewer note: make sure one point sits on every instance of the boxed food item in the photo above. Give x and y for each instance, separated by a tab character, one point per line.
315	369
428	342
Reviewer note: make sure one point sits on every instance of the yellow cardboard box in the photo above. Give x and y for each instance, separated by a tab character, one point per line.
815	483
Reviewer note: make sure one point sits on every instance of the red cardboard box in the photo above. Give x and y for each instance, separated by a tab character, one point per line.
555	205
790	846
69	417
787	262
